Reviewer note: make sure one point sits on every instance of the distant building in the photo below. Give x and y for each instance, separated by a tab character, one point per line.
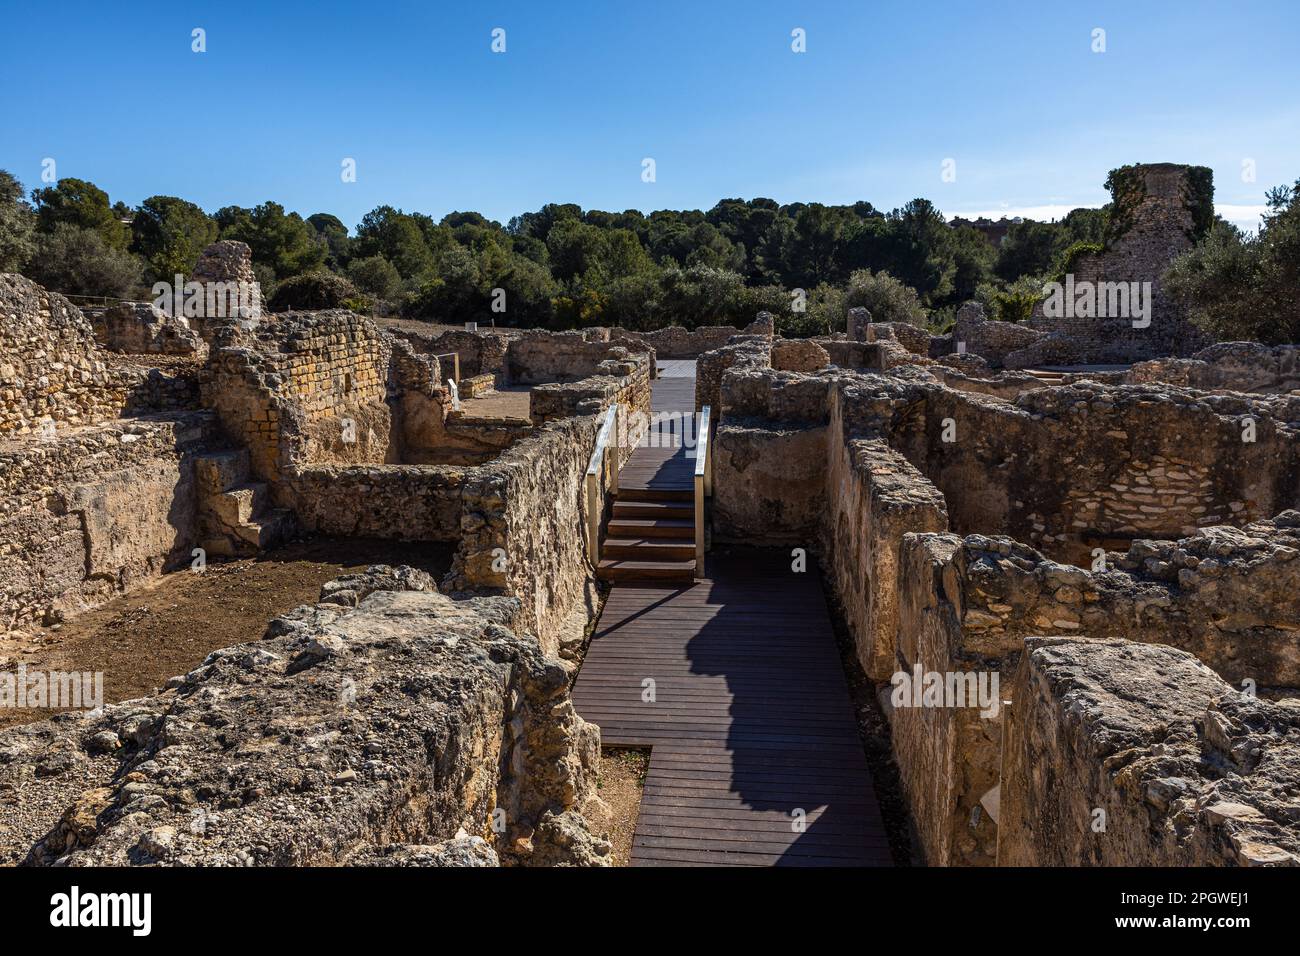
994	232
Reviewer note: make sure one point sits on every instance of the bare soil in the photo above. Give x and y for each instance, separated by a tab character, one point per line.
141	639
622	778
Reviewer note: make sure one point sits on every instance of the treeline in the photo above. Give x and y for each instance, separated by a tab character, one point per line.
561	266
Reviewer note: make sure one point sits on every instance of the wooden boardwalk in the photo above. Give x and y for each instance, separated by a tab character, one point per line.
735	684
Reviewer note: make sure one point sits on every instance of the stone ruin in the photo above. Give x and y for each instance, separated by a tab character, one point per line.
131	444
1109	544
1040	537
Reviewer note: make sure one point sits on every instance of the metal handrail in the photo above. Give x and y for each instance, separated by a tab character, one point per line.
703	483
595	470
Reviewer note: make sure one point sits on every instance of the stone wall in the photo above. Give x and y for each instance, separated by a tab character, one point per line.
1123	754
874	497
481	353
676	342
1228	366
305	388
1160	229
755	352
141	328
94	511
52	372
403	720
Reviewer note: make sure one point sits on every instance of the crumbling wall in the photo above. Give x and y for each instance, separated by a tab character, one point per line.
1158	227
873	497
306	388
400	718
88	514
676	342
1228	366
52	372
1124	754
142	328
523	531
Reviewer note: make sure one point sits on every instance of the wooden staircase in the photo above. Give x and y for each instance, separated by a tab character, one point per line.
650	537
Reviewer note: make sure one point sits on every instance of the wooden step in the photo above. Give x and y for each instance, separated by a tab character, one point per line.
616	569
652	528
653	509
656	494
651	549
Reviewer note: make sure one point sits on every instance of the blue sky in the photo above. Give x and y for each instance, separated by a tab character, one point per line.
1011	91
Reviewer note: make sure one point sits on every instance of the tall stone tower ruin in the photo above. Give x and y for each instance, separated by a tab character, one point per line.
1158	211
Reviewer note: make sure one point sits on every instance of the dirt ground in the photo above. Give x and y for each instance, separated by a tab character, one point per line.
144	637
505	403
622	777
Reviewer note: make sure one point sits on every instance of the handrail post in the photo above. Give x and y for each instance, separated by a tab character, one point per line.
595	477
703	483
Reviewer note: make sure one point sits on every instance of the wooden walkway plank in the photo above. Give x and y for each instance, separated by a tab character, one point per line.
755	755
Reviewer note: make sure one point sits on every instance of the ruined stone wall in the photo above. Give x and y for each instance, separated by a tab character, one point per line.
1179	768
90	513
1228	366
676	342
481	353
52	371
1159	229
712	366
401	502
1068	469
432	712
769	456
536	357
623	378
523	531
873	497
290	388
143	329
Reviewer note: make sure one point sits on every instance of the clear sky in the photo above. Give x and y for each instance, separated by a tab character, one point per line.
1012	92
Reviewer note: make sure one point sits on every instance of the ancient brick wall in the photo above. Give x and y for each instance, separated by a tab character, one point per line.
306	388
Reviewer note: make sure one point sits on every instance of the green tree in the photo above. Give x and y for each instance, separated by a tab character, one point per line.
76	202
376	276
333	235
76	260
169	233
1238	286
17	225
886	298
281	241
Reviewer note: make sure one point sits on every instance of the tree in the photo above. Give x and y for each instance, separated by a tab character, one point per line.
313	290
17	225
886	298
401	239
1246	287
169	233
76	202
76	260
333	235
376	276
281	241
1030	248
